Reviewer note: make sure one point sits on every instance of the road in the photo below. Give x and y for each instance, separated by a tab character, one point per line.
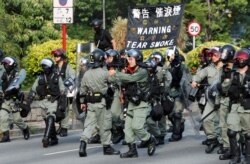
187	151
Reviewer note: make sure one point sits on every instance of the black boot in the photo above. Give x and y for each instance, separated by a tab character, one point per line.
109	150
151	145
132	152
178	128
63	132
26	133
82	149
212	144
124	142
95	139
222	150
6	137
226	156
247	149
117	135
142	144
160	140
53	138
234	147
50	125
205	142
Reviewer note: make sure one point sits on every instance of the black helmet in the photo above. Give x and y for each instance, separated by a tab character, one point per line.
9	63
241	58
227	53
47	65
1	54
136	54
97	58
59	52
115	54
159	56
96	23
123	52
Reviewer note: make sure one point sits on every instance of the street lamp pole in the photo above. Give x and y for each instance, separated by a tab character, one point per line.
103	14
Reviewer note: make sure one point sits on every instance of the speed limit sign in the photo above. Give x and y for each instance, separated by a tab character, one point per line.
194	28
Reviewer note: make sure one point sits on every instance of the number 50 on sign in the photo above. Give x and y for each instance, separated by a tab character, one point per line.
194	28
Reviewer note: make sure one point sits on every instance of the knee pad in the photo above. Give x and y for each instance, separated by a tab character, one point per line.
231	133
177	115
247	136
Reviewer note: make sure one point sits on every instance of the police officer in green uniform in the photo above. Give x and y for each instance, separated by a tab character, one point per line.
176	69
239	116
9	112
138	110
65	70
48	88
227	55
156	124
113	62
212	73
93	92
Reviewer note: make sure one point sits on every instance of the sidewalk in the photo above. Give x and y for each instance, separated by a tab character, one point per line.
37	125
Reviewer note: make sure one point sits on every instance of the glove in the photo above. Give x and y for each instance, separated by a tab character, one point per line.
216	106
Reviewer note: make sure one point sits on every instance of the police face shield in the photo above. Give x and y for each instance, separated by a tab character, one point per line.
46	69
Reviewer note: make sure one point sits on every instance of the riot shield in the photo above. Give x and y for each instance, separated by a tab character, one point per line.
186	88
14	86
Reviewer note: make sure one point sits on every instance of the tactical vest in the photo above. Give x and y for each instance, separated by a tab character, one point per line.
104	42
238	90
49	86
62	72
7	79
176	72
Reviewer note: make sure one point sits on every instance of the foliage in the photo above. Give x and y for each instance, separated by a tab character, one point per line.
193	61
37	52
23	23
119	32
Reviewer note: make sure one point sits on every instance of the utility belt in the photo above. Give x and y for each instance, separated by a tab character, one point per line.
95	97
245	103
48	97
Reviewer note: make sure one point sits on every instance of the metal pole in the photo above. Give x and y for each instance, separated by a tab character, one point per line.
64	34
103	14
193	42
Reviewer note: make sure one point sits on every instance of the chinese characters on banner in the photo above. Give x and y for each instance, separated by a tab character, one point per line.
154	26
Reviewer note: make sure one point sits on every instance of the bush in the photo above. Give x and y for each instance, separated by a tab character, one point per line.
193	61
36	53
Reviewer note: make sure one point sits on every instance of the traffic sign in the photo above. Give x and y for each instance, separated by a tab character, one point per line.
194	28
63	15
62	3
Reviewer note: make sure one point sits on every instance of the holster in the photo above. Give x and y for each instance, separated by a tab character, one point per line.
245	103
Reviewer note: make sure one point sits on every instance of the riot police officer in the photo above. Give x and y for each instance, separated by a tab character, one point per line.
227	55
239	116
93	92
103	39
138	110
49	89
65	70
156	124
177	70
212	72
9	112
113	62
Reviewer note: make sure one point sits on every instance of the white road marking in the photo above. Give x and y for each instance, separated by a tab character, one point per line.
66	151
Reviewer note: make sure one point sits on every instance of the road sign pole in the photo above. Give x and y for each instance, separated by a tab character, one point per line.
193	42
64	33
